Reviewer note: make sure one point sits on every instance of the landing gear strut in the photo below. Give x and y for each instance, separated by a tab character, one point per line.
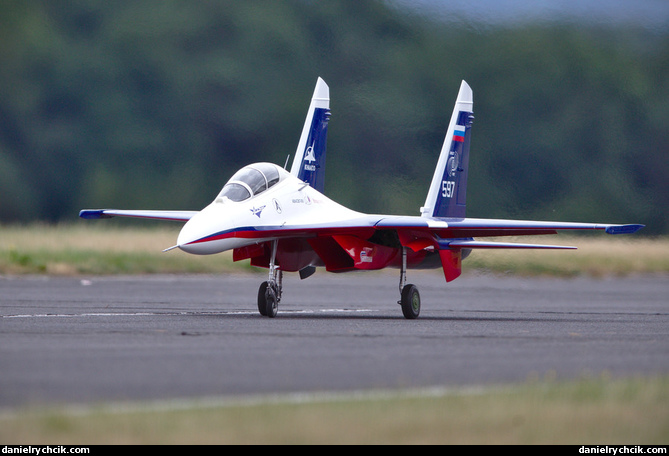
409	296
269	293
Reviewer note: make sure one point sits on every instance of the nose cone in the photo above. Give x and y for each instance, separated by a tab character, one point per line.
205	233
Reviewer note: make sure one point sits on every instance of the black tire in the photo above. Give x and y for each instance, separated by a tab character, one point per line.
410	302
272	303
262	301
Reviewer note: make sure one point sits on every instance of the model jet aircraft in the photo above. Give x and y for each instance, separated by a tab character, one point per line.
282	221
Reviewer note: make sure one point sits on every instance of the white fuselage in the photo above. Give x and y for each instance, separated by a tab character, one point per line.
225	224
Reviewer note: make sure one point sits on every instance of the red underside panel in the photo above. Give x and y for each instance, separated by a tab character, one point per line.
333	256
250	251
342	253
292	255
415	240
295	254
451	262
365	255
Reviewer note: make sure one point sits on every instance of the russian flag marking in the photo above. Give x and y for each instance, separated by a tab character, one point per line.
459	133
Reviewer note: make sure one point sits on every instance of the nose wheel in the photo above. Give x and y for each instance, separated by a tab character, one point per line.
269	295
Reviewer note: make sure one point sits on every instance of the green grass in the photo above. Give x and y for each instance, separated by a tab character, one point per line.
93	248
587	411
597	255
102	247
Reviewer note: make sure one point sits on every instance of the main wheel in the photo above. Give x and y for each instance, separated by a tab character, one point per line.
262	301
410	302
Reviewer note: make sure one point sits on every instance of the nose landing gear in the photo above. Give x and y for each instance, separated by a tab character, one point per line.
269	293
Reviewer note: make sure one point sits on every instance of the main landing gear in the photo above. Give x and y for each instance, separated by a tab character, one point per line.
409	296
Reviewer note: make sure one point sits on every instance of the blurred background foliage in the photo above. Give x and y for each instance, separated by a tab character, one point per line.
153	104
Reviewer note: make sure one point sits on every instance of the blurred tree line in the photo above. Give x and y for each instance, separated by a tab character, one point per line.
153	104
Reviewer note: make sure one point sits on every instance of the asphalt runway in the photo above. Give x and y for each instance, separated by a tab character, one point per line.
66	340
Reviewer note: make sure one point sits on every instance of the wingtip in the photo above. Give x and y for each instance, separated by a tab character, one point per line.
92	214
624	229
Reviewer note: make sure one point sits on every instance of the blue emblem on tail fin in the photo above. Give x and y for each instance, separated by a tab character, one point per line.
312	166
309	161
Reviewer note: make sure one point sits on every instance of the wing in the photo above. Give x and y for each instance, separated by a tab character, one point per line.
377	241
475	227
459	233
439	229
176	216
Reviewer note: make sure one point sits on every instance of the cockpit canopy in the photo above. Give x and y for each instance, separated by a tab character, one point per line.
251	180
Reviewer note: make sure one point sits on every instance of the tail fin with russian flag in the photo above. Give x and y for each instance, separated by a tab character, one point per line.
309	162
448	190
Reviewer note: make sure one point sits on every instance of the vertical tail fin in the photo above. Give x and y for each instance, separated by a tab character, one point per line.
447	196
309	162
